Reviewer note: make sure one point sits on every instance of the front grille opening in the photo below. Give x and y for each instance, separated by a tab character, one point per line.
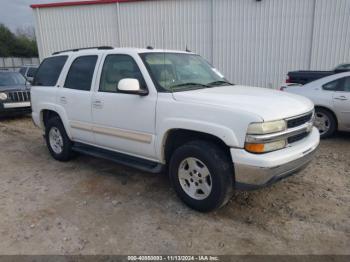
297	138
19	96
299	121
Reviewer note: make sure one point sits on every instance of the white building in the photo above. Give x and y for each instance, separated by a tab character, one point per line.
254	42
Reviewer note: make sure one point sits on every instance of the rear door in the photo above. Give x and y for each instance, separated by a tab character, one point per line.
75	97
341	100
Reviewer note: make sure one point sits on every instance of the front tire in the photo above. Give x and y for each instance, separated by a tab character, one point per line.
57	140
202	175
325	122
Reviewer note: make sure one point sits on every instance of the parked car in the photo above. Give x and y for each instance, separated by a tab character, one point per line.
169	110
28	71
14	94
331	96
305	77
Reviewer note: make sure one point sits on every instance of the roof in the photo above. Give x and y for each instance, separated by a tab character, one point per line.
96	50
77	3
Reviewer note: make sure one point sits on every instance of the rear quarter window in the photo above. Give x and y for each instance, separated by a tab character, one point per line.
49	71
31	72
22	71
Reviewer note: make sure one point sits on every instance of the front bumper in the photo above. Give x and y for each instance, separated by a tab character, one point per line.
254	171
15	108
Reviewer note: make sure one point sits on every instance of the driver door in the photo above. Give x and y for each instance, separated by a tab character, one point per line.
123	122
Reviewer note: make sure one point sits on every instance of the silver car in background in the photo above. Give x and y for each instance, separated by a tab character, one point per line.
331	96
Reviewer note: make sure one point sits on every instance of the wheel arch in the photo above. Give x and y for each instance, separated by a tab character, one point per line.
176	137
46	114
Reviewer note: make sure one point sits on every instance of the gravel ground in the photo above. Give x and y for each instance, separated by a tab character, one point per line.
92	206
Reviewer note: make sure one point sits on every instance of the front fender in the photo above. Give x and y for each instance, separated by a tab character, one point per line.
222	132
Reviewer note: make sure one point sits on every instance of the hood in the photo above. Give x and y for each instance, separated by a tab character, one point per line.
267	103
15	88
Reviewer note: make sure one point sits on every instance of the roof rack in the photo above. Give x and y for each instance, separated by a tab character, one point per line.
84	48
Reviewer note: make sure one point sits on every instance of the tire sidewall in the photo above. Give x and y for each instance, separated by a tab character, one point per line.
67	144
333	124
218	172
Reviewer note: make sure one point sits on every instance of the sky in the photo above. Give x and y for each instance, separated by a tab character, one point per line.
17	13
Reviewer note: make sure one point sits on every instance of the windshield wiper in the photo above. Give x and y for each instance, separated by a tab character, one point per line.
188	84
217	83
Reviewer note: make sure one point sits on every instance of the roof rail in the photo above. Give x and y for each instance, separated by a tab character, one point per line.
84	48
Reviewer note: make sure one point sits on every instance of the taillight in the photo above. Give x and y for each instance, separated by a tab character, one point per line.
288	80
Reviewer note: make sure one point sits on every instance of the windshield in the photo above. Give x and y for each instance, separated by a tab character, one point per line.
173	72
11	79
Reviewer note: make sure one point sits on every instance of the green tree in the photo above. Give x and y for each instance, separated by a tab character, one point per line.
20	45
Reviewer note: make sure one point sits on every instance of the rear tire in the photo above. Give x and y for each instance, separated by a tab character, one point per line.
57	140
202	175
325	122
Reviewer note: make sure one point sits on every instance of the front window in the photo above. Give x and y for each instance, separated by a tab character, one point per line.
11	79
174	72
117	67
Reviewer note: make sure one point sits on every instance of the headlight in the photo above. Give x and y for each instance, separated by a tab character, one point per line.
267	127
3	96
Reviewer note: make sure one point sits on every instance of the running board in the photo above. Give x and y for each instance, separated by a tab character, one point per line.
119	158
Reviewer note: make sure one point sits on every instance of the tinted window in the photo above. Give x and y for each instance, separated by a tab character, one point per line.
117	67
11	79
31	72
80	73
49	71
22	71
346	86
331	86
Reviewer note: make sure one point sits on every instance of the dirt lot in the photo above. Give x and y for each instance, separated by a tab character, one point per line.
92	206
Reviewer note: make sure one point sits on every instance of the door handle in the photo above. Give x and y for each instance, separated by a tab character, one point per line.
63	100
97	104
342	98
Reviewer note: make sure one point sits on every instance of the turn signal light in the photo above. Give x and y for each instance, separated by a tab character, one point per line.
255	148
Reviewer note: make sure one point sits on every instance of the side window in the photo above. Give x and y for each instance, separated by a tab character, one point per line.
31	72
116	68
22	71
49	71
331	86
81	72
346	86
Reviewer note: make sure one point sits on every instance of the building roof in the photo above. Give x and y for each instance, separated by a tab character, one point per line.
76	3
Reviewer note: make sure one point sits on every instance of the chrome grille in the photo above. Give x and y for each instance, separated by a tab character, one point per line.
19	96
295	123
299	127
297	138
299	120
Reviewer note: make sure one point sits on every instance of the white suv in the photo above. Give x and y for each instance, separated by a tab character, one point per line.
169	110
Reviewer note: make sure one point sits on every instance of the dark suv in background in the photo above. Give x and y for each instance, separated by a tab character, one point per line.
14	94
28	71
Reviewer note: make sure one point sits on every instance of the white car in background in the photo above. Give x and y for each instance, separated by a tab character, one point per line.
331	96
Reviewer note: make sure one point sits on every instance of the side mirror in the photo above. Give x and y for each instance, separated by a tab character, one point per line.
131	86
